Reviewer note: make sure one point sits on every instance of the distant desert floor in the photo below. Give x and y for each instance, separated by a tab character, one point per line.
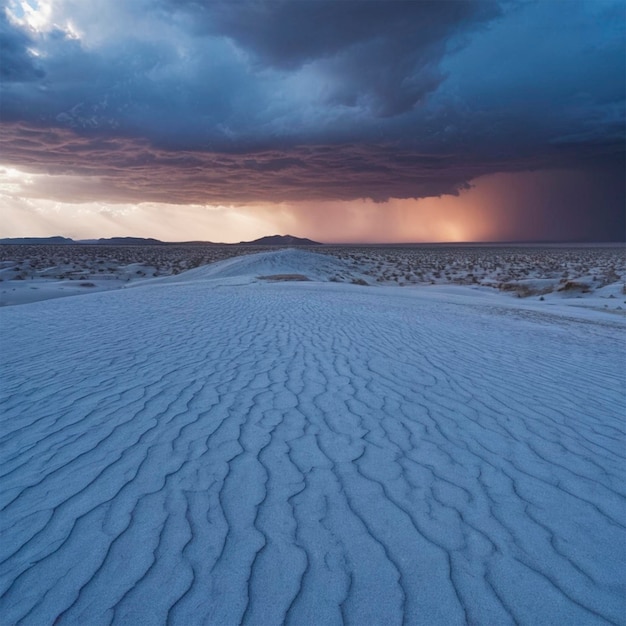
584	275
294	437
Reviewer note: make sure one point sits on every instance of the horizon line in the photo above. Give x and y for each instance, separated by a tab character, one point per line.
96	240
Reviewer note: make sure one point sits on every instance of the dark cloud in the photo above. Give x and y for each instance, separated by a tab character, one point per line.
17	63
134	170
295	100
383	55
287	34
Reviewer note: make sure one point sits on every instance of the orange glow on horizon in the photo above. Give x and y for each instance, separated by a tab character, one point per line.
428	220
474	215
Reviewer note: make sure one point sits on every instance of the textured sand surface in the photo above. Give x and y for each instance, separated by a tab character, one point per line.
221	450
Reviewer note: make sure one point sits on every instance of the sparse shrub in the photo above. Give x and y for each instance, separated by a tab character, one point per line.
572	285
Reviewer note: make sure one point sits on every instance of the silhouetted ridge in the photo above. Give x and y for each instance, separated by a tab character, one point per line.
126	241
281	240
272	240
35	240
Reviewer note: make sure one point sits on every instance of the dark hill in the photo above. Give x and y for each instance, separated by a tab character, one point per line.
124	241
35	240
281	240
272	240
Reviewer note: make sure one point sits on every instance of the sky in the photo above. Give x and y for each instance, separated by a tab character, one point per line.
339	120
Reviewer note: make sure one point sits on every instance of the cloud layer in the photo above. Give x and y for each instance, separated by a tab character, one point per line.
283	100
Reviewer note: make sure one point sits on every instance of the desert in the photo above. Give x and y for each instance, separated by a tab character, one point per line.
582	275
312	313
213	446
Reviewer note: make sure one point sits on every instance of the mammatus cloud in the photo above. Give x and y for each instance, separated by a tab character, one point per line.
133	170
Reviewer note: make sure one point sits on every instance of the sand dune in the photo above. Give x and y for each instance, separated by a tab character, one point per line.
587	276
254	267
309	453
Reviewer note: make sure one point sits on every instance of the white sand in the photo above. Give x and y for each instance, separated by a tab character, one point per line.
214	448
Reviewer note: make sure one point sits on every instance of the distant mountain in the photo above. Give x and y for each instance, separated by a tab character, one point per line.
112	241
281	240
123	241
272	240
195	243
36	240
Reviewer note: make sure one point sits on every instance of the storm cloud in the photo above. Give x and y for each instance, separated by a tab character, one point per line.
18	64
283	100
380	55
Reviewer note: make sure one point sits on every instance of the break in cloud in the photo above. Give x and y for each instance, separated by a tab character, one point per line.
295	101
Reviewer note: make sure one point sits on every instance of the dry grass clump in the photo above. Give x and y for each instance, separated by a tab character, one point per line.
521	290
285	277
519	269
572	285
114	262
